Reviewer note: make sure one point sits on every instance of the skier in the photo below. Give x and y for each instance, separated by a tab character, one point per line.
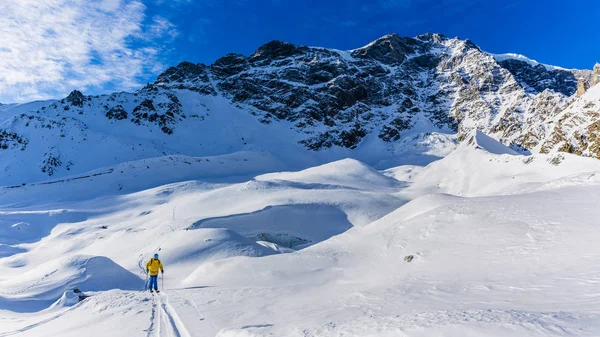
152	268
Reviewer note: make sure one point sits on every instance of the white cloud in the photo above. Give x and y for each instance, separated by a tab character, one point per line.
161	27
51	47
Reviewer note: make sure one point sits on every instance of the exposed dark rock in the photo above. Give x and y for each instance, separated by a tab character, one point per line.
188	76
76	98
276	50
229	65
117	113
11	140
163	115
390	49
432	38
51	163
184	71
540	78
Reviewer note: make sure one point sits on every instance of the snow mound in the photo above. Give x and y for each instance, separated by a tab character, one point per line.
42	286
88	273
482	166
68	299
99	273
481	141
346	173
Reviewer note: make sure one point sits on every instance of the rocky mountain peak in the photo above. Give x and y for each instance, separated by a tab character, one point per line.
276	50
182	72
76	98
390	49
391	94
432	37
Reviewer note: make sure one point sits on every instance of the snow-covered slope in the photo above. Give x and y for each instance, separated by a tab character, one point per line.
482	166
395	101
485	242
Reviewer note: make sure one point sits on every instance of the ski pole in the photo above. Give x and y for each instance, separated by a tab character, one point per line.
162	280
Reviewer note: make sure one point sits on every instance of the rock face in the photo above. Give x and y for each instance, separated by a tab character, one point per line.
337	98
581	88
538	78
596	74
76	98
388	92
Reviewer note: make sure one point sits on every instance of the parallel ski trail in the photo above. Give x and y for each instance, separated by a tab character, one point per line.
158	317
165	322
150	330
188	302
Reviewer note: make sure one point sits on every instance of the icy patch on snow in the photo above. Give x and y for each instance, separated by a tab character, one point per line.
288	226
275	247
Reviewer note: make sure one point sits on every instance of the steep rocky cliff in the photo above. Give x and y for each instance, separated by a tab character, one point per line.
386	95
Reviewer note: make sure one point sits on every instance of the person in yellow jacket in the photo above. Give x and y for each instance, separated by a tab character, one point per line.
152	268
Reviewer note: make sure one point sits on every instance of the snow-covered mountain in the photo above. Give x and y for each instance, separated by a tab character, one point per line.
484	242
412	187
396	100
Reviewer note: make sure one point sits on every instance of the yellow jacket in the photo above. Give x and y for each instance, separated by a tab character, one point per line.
153	266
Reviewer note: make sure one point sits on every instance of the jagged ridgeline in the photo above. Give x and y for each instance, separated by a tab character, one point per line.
391	90
337	98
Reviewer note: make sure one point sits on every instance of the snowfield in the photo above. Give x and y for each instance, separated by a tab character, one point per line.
484	242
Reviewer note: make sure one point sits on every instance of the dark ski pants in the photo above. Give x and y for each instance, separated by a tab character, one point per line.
153	282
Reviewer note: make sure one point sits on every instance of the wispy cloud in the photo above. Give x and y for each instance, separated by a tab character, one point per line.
51	47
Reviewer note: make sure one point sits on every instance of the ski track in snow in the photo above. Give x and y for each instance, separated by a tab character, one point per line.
164	320
23	290
170	321
150	330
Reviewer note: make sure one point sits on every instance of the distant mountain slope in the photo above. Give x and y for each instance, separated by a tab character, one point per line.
397	100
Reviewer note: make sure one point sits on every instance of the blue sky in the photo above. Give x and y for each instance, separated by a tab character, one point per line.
98	46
